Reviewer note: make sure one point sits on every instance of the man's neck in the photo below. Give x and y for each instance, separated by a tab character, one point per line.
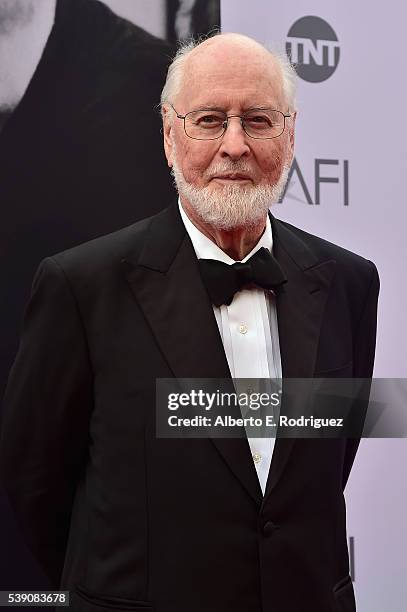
236	242
25	26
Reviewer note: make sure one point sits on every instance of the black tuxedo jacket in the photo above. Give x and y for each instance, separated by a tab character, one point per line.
138	523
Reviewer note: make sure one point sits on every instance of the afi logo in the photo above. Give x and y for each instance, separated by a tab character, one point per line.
338	175
313	47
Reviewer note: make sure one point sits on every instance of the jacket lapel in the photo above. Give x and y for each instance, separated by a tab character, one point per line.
165	280
300	310
301	305
166	283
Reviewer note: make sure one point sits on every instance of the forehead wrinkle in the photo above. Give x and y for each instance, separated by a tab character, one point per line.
226	105
224	99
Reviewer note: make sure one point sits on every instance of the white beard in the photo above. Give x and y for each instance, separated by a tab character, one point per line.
230	206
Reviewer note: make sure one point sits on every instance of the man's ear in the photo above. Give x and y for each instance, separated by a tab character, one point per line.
167	134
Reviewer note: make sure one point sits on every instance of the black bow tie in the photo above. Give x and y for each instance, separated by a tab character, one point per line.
222	281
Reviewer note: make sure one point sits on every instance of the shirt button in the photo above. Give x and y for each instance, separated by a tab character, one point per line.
243	328
256	457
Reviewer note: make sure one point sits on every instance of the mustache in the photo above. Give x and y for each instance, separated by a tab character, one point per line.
229	168
239	166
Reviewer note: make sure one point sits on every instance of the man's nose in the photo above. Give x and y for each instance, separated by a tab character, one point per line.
234	141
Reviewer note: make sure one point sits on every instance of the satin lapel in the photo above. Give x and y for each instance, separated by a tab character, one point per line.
300	310
165	281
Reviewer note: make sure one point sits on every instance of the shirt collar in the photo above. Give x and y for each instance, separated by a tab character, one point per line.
206	249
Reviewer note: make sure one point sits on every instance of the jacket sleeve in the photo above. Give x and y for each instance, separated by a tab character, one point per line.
363	354
44	435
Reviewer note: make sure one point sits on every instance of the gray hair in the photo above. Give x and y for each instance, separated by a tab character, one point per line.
173	83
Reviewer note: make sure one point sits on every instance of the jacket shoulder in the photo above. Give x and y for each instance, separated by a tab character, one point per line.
349	263
98	256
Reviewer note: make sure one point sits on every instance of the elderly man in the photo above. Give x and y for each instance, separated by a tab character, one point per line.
126	519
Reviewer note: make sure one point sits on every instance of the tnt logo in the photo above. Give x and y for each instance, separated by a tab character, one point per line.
312	46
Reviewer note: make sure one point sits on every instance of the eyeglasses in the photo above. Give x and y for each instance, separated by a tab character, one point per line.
209	124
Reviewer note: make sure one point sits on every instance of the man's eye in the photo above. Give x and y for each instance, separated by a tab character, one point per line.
209	120
259	120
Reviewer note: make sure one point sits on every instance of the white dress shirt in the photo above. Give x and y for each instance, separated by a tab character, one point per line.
249	332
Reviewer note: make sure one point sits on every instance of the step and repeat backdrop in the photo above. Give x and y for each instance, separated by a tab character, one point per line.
347	184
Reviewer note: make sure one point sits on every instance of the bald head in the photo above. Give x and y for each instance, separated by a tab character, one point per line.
227	44
240	54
